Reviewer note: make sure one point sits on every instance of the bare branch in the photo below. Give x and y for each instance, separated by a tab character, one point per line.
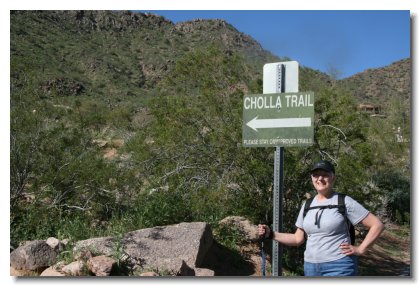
75	207
327	125
323	153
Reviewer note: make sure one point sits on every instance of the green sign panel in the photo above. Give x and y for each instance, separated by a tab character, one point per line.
278	119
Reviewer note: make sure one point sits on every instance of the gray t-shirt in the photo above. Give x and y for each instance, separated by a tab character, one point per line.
326	228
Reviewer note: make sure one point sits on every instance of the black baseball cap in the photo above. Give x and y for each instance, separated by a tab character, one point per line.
323	165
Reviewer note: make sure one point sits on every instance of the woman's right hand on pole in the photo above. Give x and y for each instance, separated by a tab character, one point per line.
263	230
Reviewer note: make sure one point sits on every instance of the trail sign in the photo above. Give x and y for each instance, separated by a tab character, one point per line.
278	119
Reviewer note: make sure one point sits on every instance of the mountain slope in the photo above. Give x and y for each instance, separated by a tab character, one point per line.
114	54
379	85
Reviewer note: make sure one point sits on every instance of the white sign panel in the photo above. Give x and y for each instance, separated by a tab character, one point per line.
274	71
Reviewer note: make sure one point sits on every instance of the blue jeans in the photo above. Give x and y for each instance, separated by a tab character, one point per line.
346	266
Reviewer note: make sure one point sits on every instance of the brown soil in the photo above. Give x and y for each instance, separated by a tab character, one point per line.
390	256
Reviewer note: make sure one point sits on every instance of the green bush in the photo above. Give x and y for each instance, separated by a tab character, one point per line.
396	191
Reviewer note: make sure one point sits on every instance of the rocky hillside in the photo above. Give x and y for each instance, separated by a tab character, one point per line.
377	86
115	54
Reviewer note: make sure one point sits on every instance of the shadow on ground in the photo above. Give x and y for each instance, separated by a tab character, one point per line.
225	262
381	265
390	256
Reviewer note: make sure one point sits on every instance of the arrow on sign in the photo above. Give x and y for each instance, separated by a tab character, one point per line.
279	123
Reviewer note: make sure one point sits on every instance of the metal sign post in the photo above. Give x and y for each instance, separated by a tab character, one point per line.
275	81
278	209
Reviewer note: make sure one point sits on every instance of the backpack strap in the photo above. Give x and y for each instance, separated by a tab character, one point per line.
342	205
343	210
307	206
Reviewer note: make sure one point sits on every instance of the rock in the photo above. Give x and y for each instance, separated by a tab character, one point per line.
33	255
83	255
150	273
16	272
96	246
50	271
100	143
110	153
175	249
54	243
73	269
101	265
65	241
203	272
117	143
25	242
243	225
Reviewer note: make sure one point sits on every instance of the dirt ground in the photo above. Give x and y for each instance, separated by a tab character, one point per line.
390	256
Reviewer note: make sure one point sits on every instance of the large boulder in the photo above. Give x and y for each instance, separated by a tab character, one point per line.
33	255
171	249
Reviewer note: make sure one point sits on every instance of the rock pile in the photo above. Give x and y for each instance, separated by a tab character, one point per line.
177	250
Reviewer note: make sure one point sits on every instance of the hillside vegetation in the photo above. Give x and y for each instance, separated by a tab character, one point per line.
122	121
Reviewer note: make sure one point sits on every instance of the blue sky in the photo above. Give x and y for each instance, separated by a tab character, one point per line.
345	41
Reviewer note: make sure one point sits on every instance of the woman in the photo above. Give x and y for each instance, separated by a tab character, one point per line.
328	248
